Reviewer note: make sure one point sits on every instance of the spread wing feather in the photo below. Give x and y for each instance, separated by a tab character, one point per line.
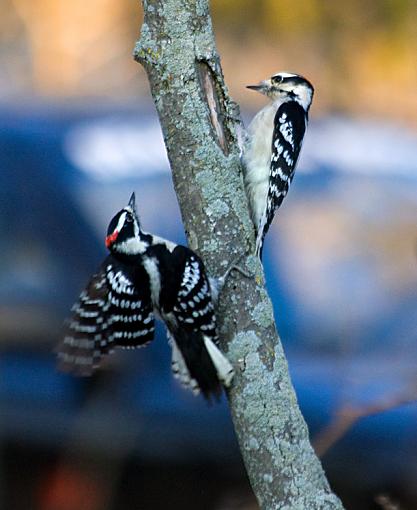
111	311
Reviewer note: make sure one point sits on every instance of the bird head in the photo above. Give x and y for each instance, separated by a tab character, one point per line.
124	234
286	86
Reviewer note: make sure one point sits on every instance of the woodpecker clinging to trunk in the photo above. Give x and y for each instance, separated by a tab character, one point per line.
272	147
143	276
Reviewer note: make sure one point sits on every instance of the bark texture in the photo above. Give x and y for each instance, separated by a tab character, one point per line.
200	125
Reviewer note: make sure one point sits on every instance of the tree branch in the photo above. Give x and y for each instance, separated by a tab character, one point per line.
200	125
349	414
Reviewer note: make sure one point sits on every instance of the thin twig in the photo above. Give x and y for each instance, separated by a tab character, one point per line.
349	414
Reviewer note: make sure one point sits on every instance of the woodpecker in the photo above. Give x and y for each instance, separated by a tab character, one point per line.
146	276
272	146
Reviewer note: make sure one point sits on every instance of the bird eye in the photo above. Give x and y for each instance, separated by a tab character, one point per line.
277	79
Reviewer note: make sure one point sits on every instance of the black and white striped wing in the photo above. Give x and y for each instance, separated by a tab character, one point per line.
196	359
289	128
193	306
110	312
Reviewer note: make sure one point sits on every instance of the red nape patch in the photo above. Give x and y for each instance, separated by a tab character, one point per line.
111	238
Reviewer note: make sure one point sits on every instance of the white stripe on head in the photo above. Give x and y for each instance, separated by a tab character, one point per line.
121	222
133	245
286	75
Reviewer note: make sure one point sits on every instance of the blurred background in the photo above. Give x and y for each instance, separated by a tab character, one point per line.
78	133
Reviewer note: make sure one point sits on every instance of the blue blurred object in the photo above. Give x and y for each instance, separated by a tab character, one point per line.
340	264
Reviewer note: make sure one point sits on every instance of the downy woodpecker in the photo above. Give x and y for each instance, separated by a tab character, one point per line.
143	276
273	144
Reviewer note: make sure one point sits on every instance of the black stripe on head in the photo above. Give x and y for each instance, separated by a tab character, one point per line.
123	222
290	79
113	223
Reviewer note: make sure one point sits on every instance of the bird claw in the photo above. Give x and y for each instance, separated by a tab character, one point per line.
217	284
222	279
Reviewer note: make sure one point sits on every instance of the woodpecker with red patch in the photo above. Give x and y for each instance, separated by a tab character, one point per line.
143	276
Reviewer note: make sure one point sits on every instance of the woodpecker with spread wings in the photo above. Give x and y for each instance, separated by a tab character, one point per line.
146	276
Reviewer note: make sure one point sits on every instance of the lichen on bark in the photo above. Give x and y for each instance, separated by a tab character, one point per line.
200	124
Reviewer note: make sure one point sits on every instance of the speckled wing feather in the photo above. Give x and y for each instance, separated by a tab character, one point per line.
289	128
196	360
111	311
193	304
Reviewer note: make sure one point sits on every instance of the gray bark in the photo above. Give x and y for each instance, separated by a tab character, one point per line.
200	125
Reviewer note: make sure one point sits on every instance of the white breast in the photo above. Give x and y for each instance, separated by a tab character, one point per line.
257	158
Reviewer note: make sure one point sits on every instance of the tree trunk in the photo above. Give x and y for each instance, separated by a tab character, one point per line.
200	126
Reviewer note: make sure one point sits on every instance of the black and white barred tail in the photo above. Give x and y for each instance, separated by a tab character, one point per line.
199	364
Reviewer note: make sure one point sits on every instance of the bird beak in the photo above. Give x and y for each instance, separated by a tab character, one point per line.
132	205
132	202
261	87
111	238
